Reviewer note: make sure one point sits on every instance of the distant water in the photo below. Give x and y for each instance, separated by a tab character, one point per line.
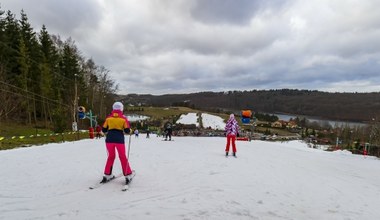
333	123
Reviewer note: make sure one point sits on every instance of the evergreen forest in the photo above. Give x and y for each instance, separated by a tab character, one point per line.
44	78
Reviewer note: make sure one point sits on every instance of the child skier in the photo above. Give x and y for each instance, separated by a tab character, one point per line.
115	126
232	129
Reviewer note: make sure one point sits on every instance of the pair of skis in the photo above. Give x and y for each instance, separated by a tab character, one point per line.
125	186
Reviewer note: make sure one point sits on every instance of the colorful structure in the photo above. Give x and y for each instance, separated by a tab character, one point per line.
246	116
82	114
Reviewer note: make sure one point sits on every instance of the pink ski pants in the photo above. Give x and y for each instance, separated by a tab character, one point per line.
111	148
231	139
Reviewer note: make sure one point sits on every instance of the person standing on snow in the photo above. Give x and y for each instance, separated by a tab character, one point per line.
231	129
115	126
147	133
136	133
168	131
98	130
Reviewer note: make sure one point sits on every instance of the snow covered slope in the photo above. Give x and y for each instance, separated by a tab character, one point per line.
189	178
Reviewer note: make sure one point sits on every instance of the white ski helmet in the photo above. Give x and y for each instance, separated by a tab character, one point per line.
118	106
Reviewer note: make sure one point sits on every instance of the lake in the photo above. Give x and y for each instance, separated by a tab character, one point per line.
333	123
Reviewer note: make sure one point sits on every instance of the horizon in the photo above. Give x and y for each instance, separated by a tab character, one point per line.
253	90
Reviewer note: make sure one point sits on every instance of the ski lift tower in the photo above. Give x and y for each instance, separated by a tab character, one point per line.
82	114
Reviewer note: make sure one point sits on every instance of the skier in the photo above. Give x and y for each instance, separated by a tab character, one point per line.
115	126
147	133
136	133
168	131
98	130
232	129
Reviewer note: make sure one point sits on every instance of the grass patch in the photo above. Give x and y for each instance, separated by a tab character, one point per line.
10	130
17	142
16	135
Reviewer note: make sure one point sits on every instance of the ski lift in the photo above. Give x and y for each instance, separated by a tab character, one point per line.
81	112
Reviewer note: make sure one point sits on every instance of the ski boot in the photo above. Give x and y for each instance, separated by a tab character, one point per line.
128	178
107	178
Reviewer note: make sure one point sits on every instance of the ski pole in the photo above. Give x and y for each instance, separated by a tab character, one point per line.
129	144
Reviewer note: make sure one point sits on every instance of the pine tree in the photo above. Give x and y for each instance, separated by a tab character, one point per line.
72	73
46	77
11	44
32	58
22	79
47	67
8	47
2	39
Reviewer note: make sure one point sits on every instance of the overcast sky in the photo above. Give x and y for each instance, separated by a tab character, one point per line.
183	46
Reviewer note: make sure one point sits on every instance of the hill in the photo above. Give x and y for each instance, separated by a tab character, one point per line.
359	107
189	178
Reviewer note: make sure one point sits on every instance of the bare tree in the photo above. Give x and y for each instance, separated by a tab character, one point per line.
107	88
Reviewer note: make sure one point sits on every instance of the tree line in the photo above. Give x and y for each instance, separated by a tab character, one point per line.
359	107
43	78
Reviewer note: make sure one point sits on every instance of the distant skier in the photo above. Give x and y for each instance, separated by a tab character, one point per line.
168	131
147	133
136	133
115	126
98	130
232	129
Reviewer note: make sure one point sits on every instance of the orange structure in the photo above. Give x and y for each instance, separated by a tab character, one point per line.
246	113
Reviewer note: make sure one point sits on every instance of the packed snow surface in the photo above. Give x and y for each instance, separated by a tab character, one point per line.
213	121
189	178
135	117
189	118
208	120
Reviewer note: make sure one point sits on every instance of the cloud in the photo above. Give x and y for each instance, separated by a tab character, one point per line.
166	46
231	11
63	17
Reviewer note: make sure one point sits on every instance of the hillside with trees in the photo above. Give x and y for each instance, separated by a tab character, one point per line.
360	107
43	78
